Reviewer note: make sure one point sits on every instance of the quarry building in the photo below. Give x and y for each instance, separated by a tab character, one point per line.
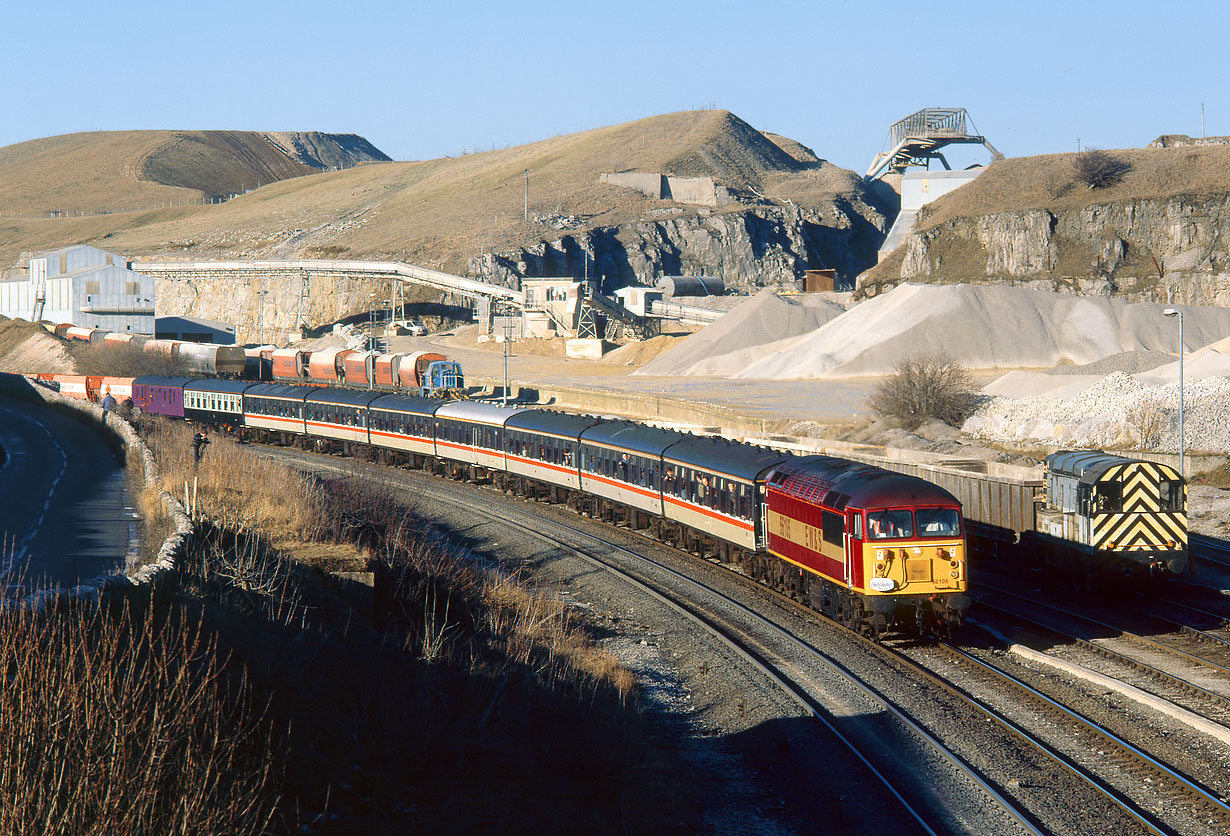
85	286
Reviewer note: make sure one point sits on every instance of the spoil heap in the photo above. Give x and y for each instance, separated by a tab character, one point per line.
983	328
765	323
1117	411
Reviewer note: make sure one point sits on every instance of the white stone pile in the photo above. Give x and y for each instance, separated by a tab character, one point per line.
1106	414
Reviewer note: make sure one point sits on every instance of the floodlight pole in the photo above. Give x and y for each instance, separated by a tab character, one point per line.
1179	314
505	360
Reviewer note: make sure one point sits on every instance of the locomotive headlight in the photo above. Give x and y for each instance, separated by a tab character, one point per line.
879	570
954	574
917	550
954	563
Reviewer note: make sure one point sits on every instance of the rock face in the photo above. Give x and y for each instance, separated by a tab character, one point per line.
326	151
1173	250
237	301
759	247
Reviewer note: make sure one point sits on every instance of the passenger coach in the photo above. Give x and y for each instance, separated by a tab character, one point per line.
215	401
544	447
622	462
713	485
472	433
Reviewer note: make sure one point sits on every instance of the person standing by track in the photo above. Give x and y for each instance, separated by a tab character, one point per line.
108	404
199	442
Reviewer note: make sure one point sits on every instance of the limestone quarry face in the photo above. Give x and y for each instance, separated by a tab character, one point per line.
238	301
760	247
1175	251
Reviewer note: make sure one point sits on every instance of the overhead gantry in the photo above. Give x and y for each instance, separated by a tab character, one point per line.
918	138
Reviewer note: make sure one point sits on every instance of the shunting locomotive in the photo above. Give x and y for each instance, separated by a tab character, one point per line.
1118	516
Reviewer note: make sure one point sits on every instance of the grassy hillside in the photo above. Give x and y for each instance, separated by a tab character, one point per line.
1048	182
441	212
121	171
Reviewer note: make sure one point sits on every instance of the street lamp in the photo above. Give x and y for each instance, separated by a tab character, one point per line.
1179	314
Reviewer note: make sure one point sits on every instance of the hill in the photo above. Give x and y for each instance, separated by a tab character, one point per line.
1157	234
122	171
446	212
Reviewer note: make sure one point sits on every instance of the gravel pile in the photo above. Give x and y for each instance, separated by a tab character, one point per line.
984	327
1125	361
1106	415
761	324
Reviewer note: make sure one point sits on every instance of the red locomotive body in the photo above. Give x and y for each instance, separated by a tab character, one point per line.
867	546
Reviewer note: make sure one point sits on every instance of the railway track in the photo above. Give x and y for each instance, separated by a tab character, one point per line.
1210	549
779	672
1136	766
1128	759
1195	668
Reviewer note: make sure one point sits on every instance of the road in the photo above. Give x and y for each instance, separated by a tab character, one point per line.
822	401
65	514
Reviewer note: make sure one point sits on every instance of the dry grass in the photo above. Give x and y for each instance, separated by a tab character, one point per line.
119	171
239	491
465	677
1049	182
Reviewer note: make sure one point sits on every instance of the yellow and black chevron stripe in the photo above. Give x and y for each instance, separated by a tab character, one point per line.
1141	524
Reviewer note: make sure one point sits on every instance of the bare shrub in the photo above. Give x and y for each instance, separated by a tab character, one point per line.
924	388
1148	418
1097	169
128	724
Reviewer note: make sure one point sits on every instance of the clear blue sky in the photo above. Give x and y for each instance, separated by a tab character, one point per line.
421	80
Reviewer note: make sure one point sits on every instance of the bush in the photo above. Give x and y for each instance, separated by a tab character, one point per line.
1098	169
925	388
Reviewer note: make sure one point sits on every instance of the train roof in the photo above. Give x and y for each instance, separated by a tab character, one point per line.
412	404
162	380
626	435
1088	466
721	455
278	390
477	412
551	423
216	384
349	397
840	482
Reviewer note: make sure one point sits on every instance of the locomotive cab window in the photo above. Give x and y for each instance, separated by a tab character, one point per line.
938	522
887	525
1108	498
833	526
1170	495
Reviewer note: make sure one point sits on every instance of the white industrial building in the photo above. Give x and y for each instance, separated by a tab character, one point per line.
86	286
